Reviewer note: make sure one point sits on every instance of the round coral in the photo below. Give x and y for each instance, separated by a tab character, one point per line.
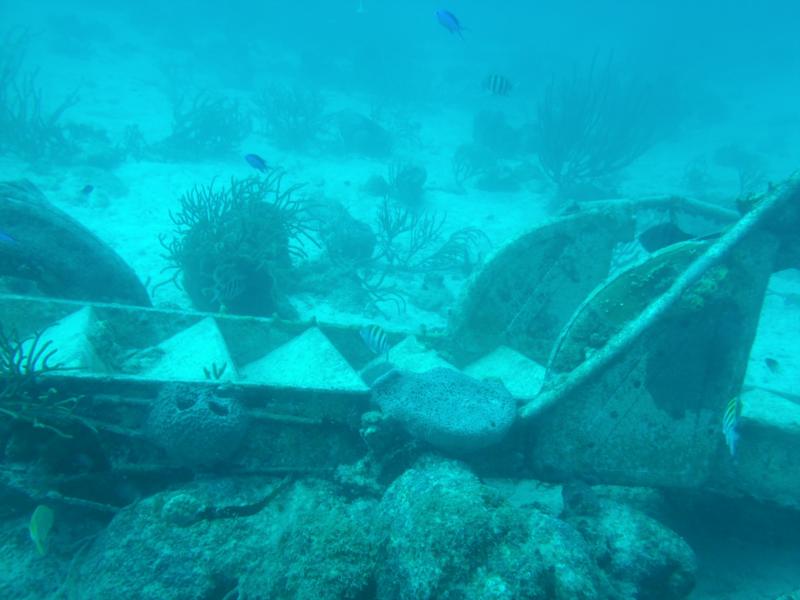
195	426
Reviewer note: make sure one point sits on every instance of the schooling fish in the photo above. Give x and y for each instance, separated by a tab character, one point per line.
449	21
87	190
497	85
730	423
375	339
258	163
5	238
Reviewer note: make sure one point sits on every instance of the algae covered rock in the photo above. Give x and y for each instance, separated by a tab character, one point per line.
446	408
440	523
175	545
326	549
229	538
644	558
24	573
569	569
448	535
437	532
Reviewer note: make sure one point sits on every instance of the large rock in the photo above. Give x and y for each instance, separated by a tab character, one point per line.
438	532
214	537
57	255
327	548
447	408
642	557
449	536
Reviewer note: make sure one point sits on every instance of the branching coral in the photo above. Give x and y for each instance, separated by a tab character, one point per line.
592	125
470	161
27	129
206	128
369	268
405	234
409	240
233	247
373	282
292	116
462	251
408	244
22	362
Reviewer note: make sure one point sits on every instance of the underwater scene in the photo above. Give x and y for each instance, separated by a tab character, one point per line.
371	299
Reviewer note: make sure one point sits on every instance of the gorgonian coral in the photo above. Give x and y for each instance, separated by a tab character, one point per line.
233	248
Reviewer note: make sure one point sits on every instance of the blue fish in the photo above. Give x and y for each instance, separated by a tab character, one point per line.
258	163
87	190
449	21
375	339
4	237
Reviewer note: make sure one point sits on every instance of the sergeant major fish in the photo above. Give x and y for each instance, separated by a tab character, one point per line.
497	85
375	339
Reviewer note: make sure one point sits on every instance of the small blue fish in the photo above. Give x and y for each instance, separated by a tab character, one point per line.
5	238
375	339
87	190
450	22
730	423
258	163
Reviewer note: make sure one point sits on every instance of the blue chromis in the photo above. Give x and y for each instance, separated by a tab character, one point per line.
375	339
449	21
730	423
41	523
258	163
5	238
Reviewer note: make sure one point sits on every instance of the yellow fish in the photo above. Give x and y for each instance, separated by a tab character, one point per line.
730	423
40	526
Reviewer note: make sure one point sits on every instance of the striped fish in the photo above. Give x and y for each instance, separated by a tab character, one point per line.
497	85
375	339
730	423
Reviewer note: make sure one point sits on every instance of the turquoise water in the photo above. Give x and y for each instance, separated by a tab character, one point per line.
370	299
